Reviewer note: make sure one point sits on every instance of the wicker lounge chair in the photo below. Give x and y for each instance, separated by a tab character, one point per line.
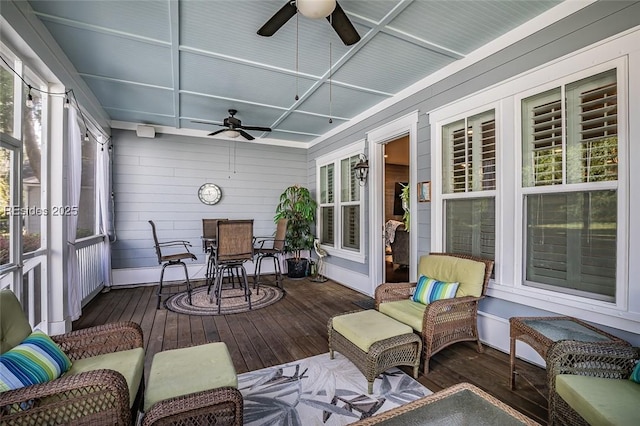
442	322
595	377
91	392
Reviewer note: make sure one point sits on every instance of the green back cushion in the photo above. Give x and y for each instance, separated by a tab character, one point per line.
429	290
14	326
36	360
469	273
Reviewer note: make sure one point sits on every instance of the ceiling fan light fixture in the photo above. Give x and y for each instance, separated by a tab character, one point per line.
231	133
316	9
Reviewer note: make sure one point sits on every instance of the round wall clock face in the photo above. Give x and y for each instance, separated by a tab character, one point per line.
209	193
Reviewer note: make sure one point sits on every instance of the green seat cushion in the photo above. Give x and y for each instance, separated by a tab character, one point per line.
406	311
183	371
364	328
601	401
469	273
129	363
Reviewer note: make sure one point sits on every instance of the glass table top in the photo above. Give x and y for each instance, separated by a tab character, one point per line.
460	408
565	330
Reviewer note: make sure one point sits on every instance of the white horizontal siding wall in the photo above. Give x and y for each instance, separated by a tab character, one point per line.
158	179
594	23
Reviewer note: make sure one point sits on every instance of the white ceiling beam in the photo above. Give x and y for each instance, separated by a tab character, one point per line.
174	29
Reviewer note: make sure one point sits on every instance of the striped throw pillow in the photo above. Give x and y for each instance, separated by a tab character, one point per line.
429	290
36	360
635	374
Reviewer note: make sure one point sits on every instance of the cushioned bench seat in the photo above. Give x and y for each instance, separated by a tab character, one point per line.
601	401
197	384
374	342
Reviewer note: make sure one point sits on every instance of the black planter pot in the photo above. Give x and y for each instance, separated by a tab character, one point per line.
297	268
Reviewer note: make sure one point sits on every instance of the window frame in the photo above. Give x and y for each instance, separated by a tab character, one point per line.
439	197
336	158
564	186
618	52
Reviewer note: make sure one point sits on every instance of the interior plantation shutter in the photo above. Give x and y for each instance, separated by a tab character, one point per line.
327	205
592	123
542	138
350	205
488	138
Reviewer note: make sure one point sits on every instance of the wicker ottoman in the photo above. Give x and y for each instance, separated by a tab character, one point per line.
194	385
374	342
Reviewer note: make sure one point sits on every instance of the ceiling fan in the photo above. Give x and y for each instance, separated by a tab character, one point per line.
313	9
234	127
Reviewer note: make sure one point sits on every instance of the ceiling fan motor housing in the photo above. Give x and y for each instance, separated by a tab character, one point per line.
232	122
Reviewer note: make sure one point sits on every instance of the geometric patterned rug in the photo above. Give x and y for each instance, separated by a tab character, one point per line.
232	301
321	391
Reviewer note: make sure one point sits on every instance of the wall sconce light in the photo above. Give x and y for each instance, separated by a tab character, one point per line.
362	169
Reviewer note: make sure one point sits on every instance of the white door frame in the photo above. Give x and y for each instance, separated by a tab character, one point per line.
376	138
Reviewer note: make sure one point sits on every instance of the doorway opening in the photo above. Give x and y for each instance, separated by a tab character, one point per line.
397	242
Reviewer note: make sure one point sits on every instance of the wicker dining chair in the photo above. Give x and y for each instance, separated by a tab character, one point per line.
173	259
234	246
271	248
446	321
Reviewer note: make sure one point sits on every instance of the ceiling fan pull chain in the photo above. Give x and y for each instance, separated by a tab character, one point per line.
330	86
297	97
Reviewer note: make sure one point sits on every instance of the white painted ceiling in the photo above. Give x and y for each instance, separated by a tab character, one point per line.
169	62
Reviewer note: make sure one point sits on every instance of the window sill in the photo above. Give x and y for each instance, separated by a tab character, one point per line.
598	312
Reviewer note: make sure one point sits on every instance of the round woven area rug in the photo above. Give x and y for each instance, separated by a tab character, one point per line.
232	301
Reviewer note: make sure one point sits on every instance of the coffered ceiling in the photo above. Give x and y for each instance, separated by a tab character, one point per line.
170	63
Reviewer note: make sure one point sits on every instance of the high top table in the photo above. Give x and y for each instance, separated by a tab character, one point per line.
542	332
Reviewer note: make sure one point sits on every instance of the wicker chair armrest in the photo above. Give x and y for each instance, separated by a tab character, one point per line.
101	339
215	406
615	361
390	292
88	398
441	311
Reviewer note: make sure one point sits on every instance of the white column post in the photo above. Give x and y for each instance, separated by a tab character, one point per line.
57	224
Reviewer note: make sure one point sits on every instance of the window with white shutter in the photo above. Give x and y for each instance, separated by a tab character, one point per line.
340	204
570	141
468	185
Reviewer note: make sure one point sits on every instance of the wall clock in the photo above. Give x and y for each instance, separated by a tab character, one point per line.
209	193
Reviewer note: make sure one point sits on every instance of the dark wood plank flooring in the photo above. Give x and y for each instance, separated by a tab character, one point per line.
295	328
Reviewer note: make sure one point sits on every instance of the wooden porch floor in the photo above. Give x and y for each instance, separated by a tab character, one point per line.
295	328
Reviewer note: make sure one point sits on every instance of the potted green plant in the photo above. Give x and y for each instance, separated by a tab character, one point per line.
299	207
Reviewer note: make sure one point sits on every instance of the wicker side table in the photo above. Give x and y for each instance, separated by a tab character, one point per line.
403	349
542	332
